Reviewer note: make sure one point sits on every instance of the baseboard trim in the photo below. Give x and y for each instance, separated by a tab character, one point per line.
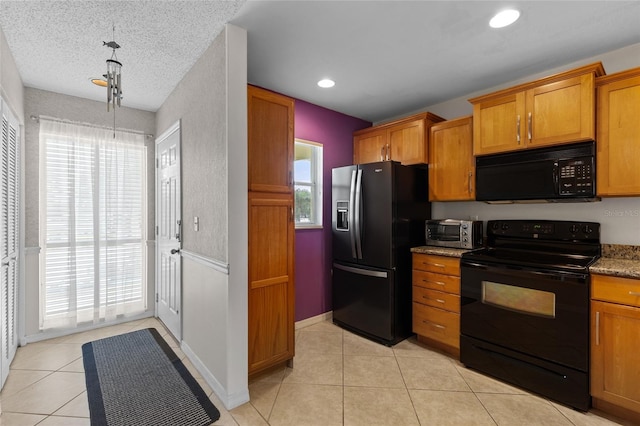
230	401
55	333
327	316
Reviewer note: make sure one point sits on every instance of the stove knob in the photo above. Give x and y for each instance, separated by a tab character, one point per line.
505	226
574	228
587	229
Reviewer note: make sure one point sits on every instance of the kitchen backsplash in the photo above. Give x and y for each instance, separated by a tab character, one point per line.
620	251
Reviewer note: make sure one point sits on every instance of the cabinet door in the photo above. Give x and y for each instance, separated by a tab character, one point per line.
408	143
618	157
499	124
271	280
270	143
615	344
370	147
561	112
451	162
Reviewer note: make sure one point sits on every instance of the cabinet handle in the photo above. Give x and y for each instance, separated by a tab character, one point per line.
292	217
597	328
437	300
438	265
388	156
529	127
382	153
433	282
434	324
518	129
634	293
470	183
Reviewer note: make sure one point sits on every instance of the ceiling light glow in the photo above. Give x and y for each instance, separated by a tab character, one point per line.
326	83
504	18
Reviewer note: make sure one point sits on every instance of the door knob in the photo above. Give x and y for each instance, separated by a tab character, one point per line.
174	251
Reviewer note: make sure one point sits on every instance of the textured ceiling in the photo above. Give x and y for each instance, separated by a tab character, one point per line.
387	57
57	45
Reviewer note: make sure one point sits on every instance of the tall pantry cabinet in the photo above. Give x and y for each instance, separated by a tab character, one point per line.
271	229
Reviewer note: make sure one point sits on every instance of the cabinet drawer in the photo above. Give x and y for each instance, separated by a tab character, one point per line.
615	289
437	324
439	264
440	282
437	299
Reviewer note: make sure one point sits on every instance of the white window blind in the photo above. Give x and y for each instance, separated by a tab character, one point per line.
93	224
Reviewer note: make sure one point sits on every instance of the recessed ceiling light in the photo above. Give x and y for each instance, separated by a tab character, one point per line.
326	83
504	18
99	82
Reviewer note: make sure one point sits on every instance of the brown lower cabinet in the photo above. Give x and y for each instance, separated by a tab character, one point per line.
615	345
436	301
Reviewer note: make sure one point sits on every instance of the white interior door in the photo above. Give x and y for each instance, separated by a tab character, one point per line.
168	230
9	239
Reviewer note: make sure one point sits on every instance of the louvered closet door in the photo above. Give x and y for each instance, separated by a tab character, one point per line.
9	238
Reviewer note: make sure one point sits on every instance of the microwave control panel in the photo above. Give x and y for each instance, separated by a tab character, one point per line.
576	176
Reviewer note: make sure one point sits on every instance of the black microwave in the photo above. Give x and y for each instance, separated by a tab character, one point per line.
554	174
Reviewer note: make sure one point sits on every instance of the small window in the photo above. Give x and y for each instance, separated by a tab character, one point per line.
308	184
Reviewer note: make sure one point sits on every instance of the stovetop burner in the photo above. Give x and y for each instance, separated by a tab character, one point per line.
558	245
533	259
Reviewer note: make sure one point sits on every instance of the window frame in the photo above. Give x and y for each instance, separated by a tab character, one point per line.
315	184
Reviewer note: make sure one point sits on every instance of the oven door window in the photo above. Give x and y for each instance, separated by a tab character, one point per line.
519	299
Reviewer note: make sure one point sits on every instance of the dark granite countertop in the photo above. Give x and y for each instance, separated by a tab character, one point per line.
440	251
618	260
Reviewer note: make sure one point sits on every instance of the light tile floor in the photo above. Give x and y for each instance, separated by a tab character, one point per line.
338	379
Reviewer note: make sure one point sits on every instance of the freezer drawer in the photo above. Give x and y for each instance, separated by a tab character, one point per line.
364	301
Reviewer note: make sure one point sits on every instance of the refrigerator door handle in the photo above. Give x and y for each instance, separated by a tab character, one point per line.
351	219
377	274
358	205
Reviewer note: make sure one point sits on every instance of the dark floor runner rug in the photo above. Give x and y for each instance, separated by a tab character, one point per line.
136	379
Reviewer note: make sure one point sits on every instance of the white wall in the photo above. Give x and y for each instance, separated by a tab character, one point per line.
11	87
210	101
619	217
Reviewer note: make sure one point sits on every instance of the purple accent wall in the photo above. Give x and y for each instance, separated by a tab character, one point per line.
313	246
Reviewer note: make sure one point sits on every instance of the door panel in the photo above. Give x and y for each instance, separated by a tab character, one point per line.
270	148
168	221
363	298
341	199
543	315
271	275
9	238
376	218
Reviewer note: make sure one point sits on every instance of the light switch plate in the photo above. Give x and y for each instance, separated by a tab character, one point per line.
196	223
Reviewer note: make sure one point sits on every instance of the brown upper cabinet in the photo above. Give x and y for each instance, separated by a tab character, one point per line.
451	162
270	142
403	140
618	155
551	111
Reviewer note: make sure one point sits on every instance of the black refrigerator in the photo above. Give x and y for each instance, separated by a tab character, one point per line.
378	214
